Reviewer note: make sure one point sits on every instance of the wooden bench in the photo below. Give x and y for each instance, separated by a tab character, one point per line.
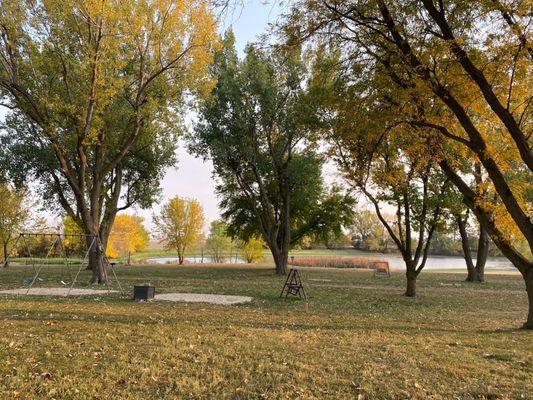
381	268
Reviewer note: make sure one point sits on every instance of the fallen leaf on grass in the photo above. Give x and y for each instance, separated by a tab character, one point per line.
46	375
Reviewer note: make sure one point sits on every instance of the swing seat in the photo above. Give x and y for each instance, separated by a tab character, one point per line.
27	281
294	290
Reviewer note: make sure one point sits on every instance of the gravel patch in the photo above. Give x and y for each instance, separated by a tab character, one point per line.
203	298
55	291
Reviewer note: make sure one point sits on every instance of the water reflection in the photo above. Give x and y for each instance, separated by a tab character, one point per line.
395	261
193	260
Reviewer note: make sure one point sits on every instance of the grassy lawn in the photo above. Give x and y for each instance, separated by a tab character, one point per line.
359	339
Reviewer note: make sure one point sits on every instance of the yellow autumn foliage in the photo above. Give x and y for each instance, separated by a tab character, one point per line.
179	225
128	236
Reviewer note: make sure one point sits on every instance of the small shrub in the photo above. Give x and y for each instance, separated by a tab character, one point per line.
252	250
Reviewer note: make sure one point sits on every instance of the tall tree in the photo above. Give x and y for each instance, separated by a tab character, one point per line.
395	173
252	250
460	214
472	61
476	272
368	233
97	92
180	224
255	128
14	215
128	236
388	162
218	243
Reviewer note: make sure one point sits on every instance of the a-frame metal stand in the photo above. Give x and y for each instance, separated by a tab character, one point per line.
293	285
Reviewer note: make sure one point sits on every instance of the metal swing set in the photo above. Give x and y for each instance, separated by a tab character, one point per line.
59	242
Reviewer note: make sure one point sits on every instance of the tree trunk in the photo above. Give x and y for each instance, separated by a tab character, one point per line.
96	261
96	258
483	240
472	275
286	226
281	265
284	261
411	283
279	260
6	261
482	253
411	275
528	277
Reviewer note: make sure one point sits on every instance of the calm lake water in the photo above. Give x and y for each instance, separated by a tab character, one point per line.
206	260
395	261
446	262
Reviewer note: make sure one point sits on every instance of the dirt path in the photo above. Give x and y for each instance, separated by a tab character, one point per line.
203	298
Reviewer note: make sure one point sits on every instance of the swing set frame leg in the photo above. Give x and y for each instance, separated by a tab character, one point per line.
42	265
81	266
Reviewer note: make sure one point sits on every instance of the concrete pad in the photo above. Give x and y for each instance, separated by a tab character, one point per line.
203	298
39	291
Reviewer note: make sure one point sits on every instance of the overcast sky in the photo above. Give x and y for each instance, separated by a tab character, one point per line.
192	177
